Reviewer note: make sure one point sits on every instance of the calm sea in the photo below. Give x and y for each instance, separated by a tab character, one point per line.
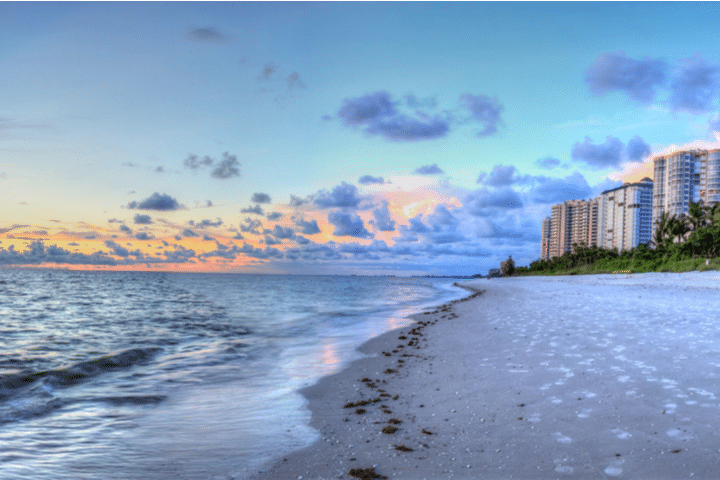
121	375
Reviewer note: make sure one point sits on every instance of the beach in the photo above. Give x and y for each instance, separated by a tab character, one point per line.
601	376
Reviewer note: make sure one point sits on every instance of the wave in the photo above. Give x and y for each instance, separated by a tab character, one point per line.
11	385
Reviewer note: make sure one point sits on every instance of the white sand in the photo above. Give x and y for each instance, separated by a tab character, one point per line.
537	378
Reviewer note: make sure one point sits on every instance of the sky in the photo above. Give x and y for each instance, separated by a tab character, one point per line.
372	138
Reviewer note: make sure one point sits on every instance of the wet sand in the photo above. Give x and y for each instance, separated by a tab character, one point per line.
534	378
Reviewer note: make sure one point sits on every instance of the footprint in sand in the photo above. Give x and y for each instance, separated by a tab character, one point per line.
621	434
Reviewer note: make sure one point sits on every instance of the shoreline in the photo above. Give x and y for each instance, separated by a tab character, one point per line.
498	385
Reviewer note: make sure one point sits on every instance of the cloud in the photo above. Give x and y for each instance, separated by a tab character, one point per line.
160	169
271	241
696	86
37	253
308	227
255	209
251	225
12	227
126	229
603	155
502	176
297	201
142	219
637	149
188	233
429	170
377	113
382	219
556	190
484	110
207	35
267	72
369	180
193	163
343	195
283	233
206	223
117	249
485	202
130	164
144	236
274	216
228	167
260	198
293	81
547	163
156	201
208	238
348	225
636	78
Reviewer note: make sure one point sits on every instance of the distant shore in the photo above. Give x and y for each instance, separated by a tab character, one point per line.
534	378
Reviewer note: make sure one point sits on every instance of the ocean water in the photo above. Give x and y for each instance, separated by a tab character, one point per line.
121	375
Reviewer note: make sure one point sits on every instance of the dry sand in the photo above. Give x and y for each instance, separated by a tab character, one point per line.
532	379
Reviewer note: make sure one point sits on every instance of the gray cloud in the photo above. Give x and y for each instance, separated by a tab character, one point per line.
267	72
348	225
156	201
695	87
293	81
502	176
484	110
255	209
142	219
377	113
637	149
616	72
207	35
382	219
274	216
126	229
369	180
188	233
556	190
283	233
343	195
485	202
206	223
260	198
193	163
308	227
603	155
429	170
144	236
251	226
548	163
37	253
228	167
117	249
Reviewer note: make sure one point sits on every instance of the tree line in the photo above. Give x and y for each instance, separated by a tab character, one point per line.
688	241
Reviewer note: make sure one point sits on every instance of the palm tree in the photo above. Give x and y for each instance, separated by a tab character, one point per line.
662	229
712	214
696	215
679	226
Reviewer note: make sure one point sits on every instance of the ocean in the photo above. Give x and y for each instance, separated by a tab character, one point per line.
148	375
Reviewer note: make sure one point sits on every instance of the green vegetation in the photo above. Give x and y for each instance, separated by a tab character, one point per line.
681	243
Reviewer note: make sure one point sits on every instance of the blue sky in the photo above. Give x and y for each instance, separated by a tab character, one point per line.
409	138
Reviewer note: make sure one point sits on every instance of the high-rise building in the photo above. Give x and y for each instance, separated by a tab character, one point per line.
573	221
682	177
625	215
545	240
619	218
